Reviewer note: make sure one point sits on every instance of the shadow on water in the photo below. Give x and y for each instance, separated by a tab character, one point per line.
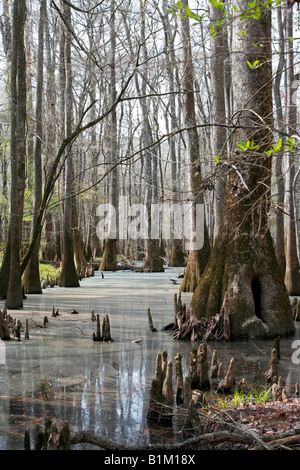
104	387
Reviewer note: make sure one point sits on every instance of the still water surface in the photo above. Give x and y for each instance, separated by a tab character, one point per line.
105	387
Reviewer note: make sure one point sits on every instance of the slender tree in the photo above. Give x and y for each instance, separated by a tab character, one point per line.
218	111
109	258
153	261
32	281
68	277
197	259
14	298
279	214
292	274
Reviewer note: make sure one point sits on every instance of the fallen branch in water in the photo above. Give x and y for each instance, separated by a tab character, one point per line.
89	437
266	442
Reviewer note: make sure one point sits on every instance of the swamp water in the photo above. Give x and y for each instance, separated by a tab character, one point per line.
104	387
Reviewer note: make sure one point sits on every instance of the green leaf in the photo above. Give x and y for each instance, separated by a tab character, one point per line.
188	11
195	16
217	4
249	145
275	148
212	31
255	65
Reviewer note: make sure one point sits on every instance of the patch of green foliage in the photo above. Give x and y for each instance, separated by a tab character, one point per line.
239	398
47	270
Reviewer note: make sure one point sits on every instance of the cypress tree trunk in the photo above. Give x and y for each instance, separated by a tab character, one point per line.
243	261
68	276
218	111
197	259
292	275
177	255
153	261
14	298
109	258
280	235
32	283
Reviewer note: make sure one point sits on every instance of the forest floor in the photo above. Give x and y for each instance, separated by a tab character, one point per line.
274	423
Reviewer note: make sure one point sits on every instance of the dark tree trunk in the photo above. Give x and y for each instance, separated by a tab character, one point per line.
153	261
68	276
109	258
197	259
218	112
32	282
279	240
292	275
243	262
14	298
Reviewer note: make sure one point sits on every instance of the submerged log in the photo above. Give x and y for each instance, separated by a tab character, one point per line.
72	311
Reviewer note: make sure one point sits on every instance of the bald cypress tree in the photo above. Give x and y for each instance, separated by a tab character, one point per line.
243	261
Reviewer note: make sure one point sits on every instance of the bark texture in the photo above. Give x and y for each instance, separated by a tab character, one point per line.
243	262
14	298
68	276
292	275
197	259
32	282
